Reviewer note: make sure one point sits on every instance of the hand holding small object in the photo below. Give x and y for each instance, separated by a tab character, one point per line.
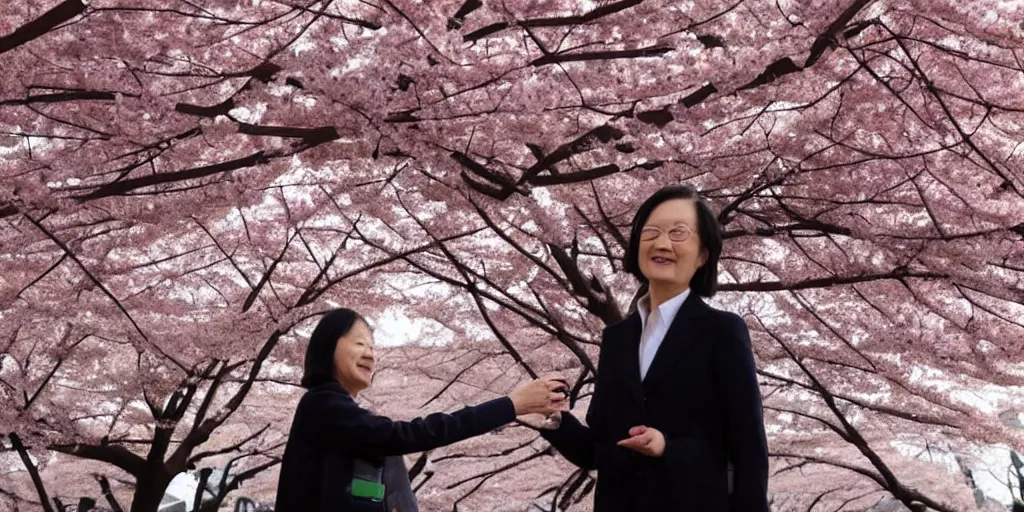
540	395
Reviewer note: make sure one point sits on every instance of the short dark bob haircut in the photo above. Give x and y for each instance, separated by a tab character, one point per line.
318	367
705	280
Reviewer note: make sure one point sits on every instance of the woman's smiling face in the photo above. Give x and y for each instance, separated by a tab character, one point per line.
353	358
670	249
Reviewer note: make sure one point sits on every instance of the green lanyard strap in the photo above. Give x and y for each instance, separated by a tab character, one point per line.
367	480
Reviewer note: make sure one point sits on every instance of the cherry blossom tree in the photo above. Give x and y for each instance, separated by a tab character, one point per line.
187	184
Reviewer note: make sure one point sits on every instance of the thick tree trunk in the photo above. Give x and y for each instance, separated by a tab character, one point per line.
150	491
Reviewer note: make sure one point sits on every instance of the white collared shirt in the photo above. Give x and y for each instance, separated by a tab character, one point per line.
655	326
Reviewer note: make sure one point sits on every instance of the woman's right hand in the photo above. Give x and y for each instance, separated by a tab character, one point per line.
540	395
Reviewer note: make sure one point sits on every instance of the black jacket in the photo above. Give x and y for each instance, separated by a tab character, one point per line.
330	430
701	392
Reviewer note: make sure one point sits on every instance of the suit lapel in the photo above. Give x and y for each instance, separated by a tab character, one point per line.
680	336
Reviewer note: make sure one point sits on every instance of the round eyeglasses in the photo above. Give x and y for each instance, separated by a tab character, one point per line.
676	234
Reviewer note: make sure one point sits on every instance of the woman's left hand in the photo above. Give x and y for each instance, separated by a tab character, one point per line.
646	440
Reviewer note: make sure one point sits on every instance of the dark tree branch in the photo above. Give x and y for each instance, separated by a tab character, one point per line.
309	135
120	188
91	277
201	432
599	304
255	293
594	14
639	53
38	27
33	471
774	286
786	65
885	476
108	494
236	480
63	97
602	134
456	21
115	455
227	449
827	38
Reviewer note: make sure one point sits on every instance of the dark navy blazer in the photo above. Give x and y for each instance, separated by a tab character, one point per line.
701	392
330	430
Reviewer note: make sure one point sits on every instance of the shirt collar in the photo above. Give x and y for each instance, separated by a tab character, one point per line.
667	310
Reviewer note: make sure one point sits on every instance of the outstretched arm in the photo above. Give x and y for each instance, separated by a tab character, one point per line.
335	419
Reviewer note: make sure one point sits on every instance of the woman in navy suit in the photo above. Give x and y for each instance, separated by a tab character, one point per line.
343	458
675	423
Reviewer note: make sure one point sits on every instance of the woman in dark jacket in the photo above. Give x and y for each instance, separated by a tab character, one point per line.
343	458
675	423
